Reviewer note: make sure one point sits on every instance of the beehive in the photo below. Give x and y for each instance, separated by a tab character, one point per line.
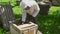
44	8
6	15
28	28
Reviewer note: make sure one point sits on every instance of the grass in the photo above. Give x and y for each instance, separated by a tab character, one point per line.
48	24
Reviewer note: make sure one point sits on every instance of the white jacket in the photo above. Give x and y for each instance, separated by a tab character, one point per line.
34	8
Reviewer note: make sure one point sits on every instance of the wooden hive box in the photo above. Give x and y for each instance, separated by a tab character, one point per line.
0	18
6	15
44	8
28	28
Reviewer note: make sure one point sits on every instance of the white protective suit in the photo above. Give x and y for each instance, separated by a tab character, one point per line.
34	8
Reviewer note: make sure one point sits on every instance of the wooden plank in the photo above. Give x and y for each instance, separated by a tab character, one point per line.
38	32
23	29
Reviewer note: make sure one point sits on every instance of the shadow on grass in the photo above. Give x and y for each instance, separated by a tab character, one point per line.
17	15
50	24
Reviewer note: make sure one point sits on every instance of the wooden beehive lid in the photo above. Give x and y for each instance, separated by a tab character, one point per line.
25	26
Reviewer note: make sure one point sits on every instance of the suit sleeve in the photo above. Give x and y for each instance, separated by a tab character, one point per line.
24	15
36	11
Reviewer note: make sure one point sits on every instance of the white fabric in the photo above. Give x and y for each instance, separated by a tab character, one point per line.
31	4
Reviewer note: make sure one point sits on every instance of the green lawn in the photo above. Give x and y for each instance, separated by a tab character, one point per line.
48	24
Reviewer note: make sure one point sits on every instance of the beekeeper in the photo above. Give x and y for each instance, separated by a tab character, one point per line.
29	7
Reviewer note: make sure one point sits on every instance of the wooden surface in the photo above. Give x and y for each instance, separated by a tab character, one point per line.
26	33
38	32
23	29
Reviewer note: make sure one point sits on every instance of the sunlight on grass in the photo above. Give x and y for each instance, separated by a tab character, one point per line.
53	9
17	10
4	0
7	0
